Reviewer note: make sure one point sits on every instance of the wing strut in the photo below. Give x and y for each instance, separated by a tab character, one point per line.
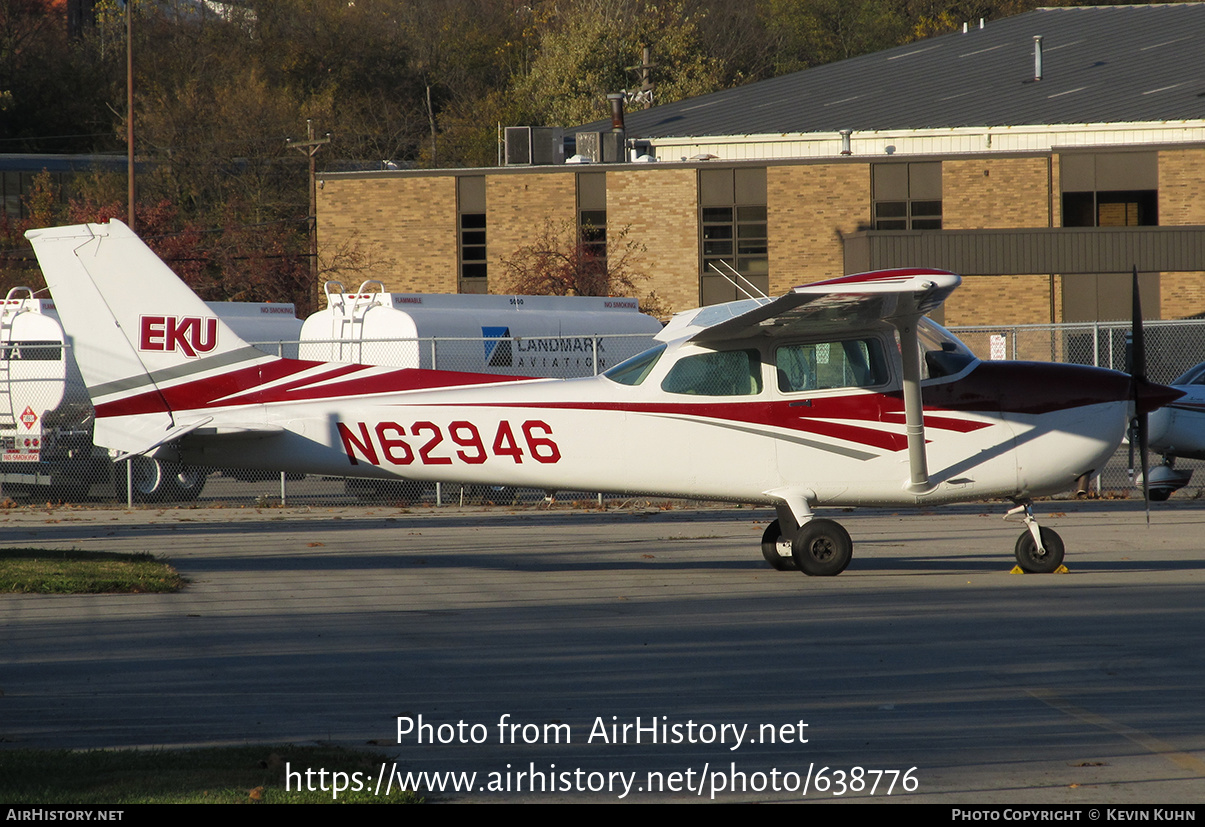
914	415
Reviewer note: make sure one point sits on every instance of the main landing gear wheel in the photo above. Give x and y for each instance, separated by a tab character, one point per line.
822	548
149	479
1031	560
185	483
777	549
157	481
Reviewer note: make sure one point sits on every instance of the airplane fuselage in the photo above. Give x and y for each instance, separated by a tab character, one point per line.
990	434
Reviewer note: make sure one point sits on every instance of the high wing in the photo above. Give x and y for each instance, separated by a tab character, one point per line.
894	296
899	297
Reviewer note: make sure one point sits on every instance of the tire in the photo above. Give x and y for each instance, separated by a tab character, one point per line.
771	543
1027	552
1160	495
156	481
822	548
149	478
186	483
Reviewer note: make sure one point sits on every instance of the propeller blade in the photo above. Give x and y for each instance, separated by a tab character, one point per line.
1131	438
1137	379
1137	336
1146	471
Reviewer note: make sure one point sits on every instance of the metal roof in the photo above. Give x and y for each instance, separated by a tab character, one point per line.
1101	64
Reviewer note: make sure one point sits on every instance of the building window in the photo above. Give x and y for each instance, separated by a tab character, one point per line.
1126	208
592	215
1110	189
470	218
733	233
907	196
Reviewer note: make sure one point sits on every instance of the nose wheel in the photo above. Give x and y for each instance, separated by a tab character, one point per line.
1039	550
1033	560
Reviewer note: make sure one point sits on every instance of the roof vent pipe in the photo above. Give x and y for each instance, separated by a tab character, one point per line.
845	133
981	22
964	27
1037	57
616	99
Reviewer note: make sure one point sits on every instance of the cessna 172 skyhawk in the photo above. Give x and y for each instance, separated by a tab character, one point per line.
812	399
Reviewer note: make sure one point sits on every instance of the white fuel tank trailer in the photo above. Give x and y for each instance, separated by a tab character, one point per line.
545	336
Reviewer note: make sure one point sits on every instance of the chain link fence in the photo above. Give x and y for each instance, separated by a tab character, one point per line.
46	419
1172	347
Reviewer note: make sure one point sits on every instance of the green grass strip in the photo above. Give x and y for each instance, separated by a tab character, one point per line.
224	775
47	571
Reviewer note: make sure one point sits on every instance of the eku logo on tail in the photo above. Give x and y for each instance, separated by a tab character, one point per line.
188	334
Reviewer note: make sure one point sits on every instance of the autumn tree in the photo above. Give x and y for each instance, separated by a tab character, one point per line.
565	261
53	91
592	47
219	87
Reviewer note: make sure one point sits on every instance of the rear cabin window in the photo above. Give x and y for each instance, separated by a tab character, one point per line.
852	363
721	373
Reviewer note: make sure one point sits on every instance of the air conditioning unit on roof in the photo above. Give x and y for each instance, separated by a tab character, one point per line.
534	145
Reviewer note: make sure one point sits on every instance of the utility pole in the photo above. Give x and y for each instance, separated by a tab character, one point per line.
646	66
310	147
646	76
130	110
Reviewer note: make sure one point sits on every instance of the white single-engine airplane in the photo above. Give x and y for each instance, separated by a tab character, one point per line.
812	399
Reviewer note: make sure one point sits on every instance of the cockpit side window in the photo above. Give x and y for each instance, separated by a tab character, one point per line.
851	363
718	373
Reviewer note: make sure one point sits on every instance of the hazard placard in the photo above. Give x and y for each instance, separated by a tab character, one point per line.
29	418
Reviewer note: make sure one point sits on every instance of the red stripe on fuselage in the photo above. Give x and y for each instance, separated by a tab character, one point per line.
214	391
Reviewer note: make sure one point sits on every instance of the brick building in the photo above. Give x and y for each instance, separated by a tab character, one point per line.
1042	156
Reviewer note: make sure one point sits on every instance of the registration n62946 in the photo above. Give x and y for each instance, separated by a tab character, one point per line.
426	442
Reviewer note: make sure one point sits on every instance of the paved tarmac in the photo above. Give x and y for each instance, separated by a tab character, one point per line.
327	625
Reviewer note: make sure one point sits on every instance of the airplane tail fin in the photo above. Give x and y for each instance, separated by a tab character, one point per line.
137	332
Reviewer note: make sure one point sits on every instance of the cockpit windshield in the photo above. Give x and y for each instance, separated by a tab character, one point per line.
635	370
1193	376
944	354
